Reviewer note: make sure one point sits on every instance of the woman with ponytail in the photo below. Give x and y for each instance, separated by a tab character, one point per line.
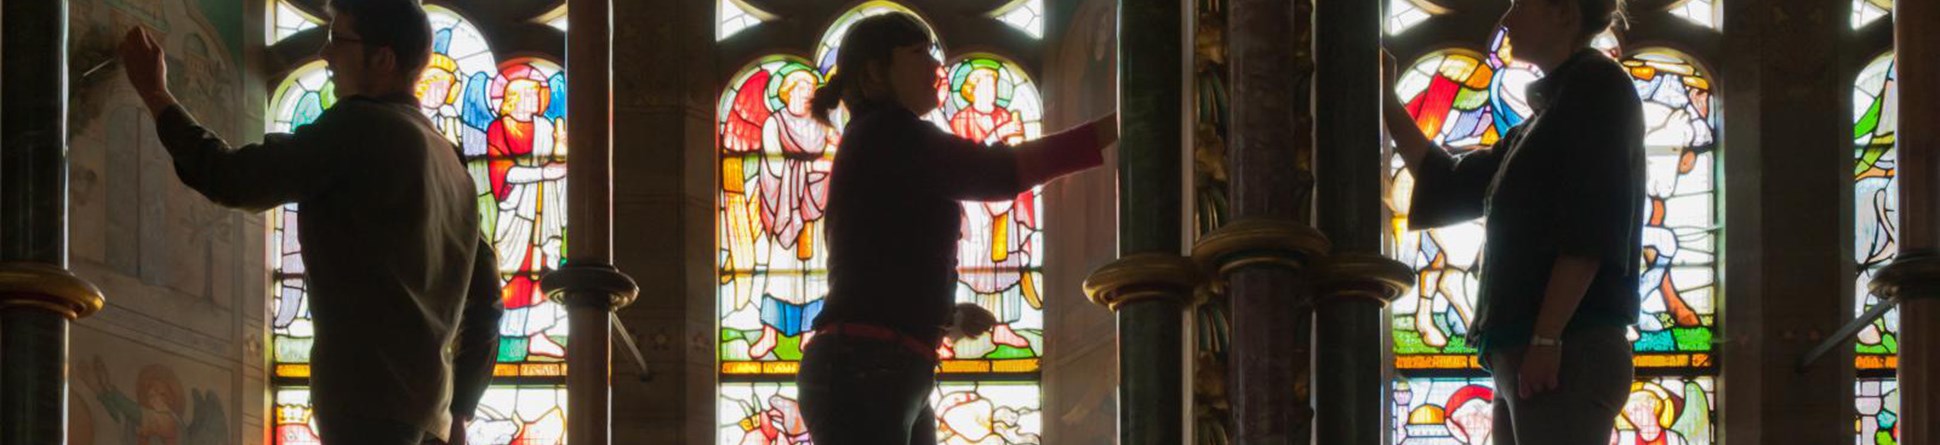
1562	193
893	222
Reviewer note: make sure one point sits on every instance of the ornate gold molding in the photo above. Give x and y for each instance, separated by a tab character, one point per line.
45	286
1364	275
1255	241
1143	276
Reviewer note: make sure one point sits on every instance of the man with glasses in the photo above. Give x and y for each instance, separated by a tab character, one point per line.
401	279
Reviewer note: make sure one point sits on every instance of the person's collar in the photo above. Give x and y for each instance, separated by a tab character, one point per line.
401	97
1543	90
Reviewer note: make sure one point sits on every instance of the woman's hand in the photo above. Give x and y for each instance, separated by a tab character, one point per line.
968	320
1107	127
457	435
1539	369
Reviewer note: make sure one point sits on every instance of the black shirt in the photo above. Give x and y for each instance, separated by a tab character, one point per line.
398	271
894	214
1568	181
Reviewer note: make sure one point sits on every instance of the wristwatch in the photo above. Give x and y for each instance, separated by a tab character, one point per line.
1541	341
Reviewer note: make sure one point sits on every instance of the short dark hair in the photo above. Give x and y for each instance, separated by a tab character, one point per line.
1600	15
400	25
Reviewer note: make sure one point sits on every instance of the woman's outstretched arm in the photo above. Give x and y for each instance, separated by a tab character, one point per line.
969	170
1448	189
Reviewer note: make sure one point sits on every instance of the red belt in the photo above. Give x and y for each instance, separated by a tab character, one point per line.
879	333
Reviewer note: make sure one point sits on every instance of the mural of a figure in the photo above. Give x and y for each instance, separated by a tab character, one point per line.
158	413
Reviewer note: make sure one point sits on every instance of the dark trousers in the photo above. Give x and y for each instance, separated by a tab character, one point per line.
860	391
355	430
1593	383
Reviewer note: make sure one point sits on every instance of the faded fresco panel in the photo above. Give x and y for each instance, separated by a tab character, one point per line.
167	360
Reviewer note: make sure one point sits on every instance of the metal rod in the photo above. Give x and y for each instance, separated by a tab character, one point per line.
1846	332
626	339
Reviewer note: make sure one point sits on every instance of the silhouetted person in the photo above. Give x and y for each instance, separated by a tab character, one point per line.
389	226
893	223
1563	193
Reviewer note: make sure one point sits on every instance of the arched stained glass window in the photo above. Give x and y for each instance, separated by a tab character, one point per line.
1702	12
774	165
1404	14
1875	111
508	120
286	20
831	42
1025	15
1866	11
1465	101
732	17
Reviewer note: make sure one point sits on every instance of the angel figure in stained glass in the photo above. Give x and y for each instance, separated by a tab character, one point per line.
1655	416
439	87
1471	412
794	185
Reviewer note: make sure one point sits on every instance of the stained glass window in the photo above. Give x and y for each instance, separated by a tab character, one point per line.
286	20
1026	15
995	413
508	120
1465	101
506	415
1676	410
1878	404
1875	112
1404	14
831	42
1867	11
732	17
774	161
1702	12
1875	101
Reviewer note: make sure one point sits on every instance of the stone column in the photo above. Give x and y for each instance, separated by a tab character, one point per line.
1915	275
38	296
1789	181
1260	256
1150	285
588	284
1356	282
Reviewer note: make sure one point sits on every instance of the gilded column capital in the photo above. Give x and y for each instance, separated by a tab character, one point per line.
45	286
1254	241
1364	275
1143	276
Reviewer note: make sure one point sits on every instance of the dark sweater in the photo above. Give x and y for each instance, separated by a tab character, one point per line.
894	217
392	248
1569	181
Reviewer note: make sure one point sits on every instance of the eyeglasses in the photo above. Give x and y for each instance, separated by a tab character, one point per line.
333	38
